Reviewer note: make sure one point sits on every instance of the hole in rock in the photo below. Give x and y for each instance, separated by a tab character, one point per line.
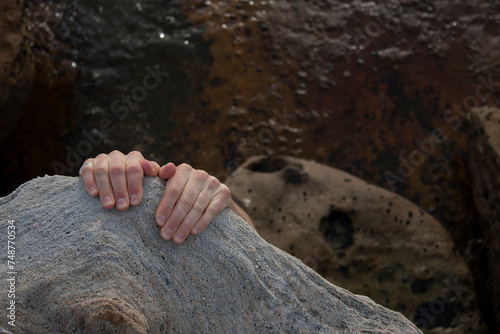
438	313
338	229
294	174
421	286
267	165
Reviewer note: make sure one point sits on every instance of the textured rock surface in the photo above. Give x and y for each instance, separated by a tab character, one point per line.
16	65
84	269
361	237
484	162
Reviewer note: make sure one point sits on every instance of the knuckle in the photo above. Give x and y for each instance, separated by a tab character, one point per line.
88	183
225	192
174	221
200	175
115	152
134	169
184	202
211	212
134	187
134	153
173	192
199	206
100	172
213	182
116	168
121	193
185	166
101	156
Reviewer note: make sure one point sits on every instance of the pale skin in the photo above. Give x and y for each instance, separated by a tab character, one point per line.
192	197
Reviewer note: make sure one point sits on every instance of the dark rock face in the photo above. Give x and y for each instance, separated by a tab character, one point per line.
362	237
484	162
82	268
16	64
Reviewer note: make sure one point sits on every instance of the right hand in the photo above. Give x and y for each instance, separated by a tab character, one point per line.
117	178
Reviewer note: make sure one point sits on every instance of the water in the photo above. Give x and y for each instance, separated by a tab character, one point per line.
136	60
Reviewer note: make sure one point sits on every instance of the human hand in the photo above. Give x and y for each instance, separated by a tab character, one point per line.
192	198
117	178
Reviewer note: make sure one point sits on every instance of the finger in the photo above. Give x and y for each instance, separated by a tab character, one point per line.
173	191
200	205
194	186
118	179
101	174
87	173
218	203
134	177
167	171
150	168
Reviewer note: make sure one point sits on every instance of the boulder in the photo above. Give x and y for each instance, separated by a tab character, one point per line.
16	65
80	268
361	237
484	163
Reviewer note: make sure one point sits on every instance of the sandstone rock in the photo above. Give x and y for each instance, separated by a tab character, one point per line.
81	268
484	162
16	66
361	237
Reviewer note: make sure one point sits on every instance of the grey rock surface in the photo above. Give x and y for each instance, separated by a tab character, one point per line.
82	268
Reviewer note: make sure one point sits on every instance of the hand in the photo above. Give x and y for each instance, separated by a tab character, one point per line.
117	178
192	198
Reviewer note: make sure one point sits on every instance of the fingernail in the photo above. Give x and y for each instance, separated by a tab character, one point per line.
195	231
93	191
179	237
168	234
122	203
134	199
107	200
161	220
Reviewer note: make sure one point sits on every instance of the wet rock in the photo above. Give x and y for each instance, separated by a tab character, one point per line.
16	65
484	162
82	268
363	238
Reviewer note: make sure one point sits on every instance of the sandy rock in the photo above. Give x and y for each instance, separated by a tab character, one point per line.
484	162
82	268
361	237
16	65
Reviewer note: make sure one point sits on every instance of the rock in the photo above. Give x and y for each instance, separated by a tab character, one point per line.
16	65
484	163
81	268
361	237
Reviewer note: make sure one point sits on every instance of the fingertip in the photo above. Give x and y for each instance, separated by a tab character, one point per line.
161	220
167	171
166	234
122	204
134	200
108	202
156	166
93	191
179	238
150	168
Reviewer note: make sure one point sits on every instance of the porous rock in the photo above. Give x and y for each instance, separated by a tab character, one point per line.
361	237
81	268
484	163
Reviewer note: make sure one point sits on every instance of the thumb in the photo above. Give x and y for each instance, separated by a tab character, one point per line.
167	171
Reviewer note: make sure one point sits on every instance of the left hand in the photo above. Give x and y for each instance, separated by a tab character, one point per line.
192	198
